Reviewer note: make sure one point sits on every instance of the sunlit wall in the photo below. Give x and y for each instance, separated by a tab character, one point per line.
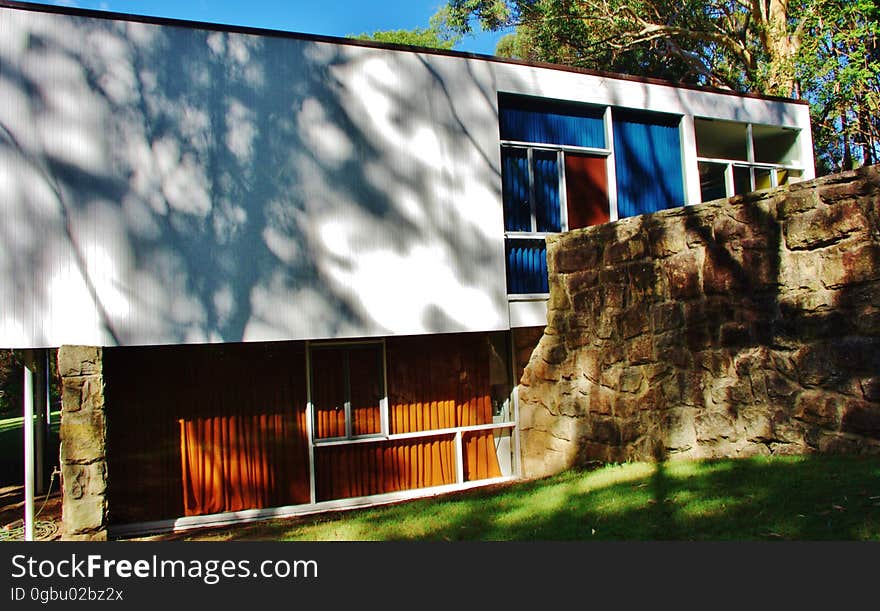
162	184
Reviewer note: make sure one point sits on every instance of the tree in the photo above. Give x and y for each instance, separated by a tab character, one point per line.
436	36
11	381
839	63
824	51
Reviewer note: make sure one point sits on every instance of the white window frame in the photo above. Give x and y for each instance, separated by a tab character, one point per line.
560	150
383	400
748	163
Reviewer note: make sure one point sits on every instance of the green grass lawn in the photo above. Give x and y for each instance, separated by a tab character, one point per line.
789	498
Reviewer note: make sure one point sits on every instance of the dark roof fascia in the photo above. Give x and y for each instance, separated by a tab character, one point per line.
219	27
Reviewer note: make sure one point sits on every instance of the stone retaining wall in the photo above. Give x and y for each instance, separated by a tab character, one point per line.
732	328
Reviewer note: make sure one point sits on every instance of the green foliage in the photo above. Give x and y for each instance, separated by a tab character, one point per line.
823	51
11	380
438	35
839	65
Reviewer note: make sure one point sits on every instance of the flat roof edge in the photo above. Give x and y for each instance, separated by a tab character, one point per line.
255	31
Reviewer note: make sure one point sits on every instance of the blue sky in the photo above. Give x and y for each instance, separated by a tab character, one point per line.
328	17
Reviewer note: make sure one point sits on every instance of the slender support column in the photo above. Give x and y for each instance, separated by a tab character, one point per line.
28	428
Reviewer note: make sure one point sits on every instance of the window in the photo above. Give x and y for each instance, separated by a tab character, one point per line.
736	158
554	160
567	166
647	156
347	390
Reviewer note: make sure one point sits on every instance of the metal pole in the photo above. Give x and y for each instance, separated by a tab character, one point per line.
28	428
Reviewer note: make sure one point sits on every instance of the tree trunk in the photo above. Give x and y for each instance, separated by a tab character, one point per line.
780	44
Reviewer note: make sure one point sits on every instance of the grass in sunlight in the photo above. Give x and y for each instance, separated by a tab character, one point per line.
785	498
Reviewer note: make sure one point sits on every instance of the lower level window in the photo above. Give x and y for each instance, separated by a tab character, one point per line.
348	389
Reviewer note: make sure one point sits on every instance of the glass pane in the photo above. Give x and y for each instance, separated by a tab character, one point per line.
774	144
783	177
647	160
480	456
586	185
742	180
365	379
546	176
515	189
712	181
328	392
721	139
763	178
526	267
541	121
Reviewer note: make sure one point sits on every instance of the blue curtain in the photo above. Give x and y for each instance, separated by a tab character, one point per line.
545	122
515	190
526	267
647	160
546	175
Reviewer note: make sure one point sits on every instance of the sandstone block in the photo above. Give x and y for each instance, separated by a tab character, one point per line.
626	250
666	316
85	517
604	430
635	321
667	239
84	480
842	267
823	226
567	259
79	360
819	407
631	380
640	350
645	284
713	426
861	418
83	437
683	275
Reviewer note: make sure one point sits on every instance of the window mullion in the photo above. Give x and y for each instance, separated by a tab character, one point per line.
563	194
346	382
728	180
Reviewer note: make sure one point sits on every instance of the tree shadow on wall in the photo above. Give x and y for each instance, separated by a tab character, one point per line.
229	175
789	314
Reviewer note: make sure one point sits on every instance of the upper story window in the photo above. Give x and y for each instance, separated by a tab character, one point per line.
554	158
567	166
736	158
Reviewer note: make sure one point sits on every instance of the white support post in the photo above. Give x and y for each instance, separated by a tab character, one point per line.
28	428
459	453
310	429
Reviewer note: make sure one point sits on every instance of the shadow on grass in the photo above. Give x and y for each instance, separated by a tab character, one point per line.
796	498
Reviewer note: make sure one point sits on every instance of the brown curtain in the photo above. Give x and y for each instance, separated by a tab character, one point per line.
206	429
435	382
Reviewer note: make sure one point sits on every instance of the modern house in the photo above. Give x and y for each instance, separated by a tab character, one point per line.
315	265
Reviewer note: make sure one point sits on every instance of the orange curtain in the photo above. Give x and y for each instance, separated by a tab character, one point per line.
206	429
434	383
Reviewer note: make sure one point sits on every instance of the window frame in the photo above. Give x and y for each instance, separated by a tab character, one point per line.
346	381
748	163
560	150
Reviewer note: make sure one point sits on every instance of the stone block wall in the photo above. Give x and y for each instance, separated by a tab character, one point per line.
83	444
731	328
